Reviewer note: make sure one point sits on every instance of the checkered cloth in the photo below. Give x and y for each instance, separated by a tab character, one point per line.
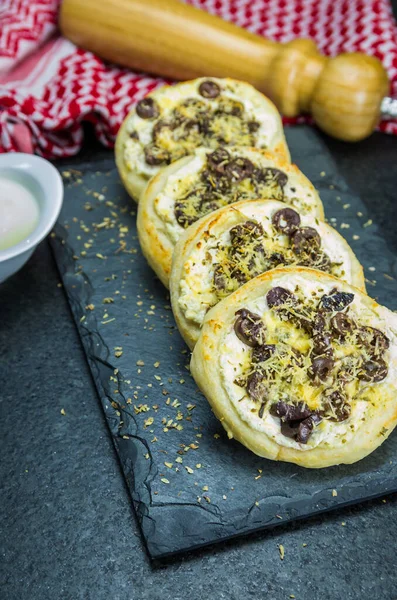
48	86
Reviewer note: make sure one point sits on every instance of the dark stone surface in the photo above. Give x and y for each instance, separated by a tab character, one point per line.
67	527
174	514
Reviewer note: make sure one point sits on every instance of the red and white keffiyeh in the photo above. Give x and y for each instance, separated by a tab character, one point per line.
48	86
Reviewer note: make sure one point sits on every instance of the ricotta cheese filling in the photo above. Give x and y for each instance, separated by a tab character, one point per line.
181	119
197	290
294	385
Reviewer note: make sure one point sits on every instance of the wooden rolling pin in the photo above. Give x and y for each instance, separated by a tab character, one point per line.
166	37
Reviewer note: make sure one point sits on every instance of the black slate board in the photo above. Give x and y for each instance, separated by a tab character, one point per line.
245	493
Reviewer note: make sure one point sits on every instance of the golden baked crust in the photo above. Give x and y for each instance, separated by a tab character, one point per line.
173	198
172	121
208	266
368	413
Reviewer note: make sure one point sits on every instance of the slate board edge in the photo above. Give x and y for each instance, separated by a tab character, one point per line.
290	509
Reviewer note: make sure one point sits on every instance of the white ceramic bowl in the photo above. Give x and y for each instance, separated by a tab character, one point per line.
45	183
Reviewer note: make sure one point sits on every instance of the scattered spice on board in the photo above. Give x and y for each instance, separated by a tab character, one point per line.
164	480
63	411
281	551
334	493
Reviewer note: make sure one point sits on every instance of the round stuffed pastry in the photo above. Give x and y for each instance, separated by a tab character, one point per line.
301	367
239	242
197	185
172	121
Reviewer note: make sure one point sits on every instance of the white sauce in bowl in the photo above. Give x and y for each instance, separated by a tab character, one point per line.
19	213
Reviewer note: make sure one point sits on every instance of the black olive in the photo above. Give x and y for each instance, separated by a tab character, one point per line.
373	370
245	231
286	220
209	89
336	301
278	296
249	328
373	339
306	240
290	412
306	427
256	386
271	174
220	280
239	169
322	344
154	155
321	367
289	428
262	353
318	323
183	219
337	405
276	259
253	126
321	262
341	324
217	160
147	109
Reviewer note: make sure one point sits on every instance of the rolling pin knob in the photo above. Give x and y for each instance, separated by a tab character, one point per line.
343	94
347	98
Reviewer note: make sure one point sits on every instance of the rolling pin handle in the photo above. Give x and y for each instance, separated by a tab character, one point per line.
176	40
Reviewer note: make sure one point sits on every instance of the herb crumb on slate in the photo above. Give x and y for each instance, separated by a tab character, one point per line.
281	551
63	411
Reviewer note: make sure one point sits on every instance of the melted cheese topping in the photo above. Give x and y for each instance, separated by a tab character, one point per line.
297	193
256	107
235	357
197	292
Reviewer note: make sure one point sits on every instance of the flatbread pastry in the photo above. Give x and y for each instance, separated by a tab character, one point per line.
227	248
301	367
172	121
195	186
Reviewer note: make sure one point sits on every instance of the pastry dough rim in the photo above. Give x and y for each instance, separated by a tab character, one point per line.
135	183
219	220
205	371
156	245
